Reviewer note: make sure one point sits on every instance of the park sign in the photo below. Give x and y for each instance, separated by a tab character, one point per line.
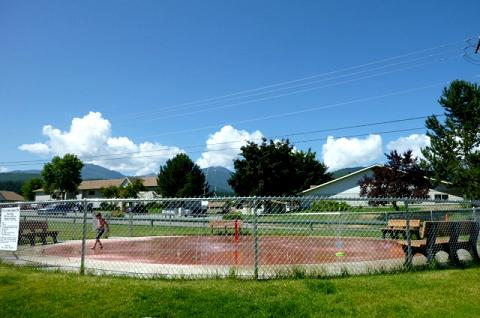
9	225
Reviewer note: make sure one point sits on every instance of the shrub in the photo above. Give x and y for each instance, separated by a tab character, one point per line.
112	209
328	205
106	206
116	214
155	207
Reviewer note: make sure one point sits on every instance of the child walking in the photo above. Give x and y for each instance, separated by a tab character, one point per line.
102	225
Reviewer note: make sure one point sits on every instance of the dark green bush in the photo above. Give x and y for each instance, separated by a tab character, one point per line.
108	206
116	214
328	205
155	207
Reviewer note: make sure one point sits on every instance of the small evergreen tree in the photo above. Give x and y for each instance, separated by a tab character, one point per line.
181	177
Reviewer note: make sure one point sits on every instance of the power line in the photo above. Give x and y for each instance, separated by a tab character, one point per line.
109	156
312	109
281	115
318	81
236	148
471	49
442	46
298	91
31	162
268	137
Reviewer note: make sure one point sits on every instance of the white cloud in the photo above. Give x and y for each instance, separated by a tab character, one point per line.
414	142
36	148
91	136
349	152
224	146
3	169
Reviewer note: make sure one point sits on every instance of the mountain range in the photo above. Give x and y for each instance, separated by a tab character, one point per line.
89	172
13	180
217	177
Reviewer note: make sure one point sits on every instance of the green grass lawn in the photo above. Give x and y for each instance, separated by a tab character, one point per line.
70	231
27	292
345	225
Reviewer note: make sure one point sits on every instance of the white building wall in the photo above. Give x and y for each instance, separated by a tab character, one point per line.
348	188
42	197
443	193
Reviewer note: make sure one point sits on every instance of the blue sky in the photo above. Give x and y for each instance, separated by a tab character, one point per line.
128	85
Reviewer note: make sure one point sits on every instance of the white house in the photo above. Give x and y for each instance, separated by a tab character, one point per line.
347	187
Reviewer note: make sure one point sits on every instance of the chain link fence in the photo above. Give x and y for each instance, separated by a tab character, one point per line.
258	237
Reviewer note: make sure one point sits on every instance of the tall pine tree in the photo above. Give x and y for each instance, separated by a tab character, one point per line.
181	177
454	151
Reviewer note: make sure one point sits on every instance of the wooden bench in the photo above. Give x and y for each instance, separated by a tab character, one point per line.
226	224
445	236
397	228
30	230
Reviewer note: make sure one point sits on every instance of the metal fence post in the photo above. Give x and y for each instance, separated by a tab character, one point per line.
408	261
130	223
84	237
74	230
107	233
255	238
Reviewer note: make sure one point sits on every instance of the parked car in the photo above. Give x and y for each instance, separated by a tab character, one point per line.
79	207
137	208
56	208
197	211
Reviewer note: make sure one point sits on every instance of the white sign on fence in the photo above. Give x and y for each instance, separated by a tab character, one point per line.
9	224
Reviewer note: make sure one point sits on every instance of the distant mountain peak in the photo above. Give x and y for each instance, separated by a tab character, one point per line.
95	172
343	172
217	177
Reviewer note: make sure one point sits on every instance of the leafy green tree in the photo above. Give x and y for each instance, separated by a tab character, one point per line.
181	177
30	186
274	169
129	191
62	175
110	192
454	151
132	190
401	177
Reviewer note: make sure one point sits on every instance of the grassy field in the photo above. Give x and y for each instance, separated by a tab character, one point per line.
70	231
27	292
314	224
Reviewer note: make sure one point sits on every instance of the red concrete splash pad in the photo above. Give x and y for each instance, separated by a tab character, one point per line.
224	250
